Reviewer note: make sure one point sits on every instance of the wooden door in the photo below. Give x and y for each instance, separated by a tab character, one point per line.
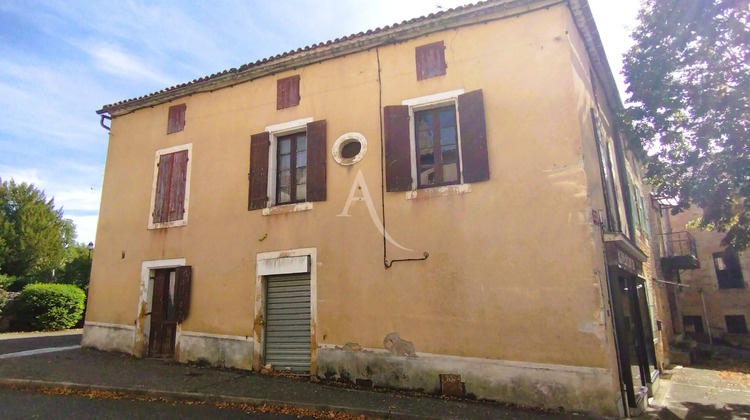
163	316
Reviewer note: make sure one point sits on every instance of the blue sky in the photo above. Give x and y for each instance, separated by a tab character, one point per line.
61	61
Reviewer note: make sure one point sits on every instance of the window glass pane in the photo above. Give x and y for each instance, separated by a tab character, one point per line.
448	135
447	118
301	142
301	159
301	176
284	194
426	175
424	120
424	139
450	154
285	178
426	157
301	192
284	162
720	263
450	173
284	146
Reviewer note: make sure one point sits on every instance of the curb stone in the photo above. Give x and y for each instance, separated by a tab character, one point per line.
34	385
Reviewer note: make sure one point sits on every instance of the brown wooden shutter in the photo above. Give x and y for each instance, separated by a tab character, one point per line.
397	148
177	185
182	292
430	60
287	92
176	121
258	176
316	160
161	199
476	165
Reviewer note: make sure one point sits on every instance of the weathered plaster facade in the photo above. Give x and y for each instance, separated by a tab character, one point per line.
508	282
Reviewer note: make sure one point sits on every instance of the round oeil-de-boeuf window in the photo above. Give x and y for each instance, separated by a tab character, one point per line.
349	148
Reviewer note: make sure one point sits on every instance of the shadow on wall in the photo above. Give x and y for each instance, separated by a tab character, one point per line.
696	411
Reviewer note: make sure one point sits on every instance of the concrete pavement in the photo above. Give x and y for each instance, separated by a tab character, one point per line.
713	389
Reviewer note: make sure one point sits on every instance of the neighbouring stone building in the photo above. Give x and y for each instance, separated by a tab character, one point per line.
446	198
713	299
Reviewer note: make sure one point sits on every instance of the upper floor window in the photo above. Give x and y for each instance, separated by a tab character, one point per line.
287	92
728	270
171	185
288	164
430	60
291	174
446	144
436	147
176	120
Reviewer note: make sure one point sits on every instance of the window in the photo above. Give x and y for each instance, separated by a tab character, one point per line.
287	92
291	173
736	324
693	323
446	144
436	147
607	171
640	216
728	270
176	120
294	154
430	60
170	190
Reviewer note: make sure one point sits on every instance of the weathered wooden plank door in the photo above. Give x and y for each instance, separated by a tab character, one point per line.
163	318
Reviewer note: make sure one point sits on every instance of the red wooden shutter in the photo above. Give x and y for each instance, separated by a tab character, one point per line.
182	292
430	60
161	199
476	165
177	185
258	176
287	92
176	121
316	161
397	148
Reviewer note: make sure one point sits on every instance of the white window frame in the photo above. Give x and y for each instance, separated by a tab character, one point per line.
274	132
422	103
159	153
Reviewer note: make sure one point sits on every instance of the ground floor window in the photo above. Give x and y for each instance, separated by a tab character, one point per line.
736	324
693	323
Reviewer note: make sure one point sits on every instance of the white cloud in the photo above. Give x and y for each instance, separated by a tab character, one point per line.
29	176
85	227
110	59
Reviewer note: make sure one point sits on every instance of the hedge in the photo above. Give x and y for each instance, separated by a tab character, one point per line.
50	307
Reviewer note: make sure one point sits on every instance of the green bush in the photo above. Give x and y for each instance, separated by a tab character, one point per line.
49	307
3	300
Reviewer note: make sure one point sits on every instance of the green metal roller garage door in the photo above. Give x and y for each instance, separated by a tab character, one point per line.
288	322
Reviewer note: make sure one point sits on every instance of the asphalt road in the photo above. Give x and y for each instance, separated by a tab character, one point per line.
12	343
23	405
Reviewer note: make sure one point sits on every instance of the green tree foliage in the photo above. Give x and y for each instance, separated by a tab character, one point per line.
689	76
77	269
33	234
49	307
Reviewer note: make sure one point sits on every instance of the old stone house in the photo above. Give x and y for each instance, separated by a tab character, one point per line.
449	195
710	290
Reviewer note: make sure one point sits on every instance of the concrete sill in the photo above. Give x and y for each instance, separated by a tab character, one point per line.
438	191
287	208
